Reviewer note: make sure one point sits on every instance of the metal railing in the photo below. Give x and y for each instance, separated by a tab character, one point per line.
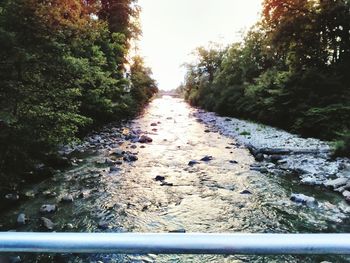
175	243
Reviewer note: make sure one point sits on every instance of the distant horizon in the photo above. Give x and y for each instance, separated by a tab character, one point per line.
172	29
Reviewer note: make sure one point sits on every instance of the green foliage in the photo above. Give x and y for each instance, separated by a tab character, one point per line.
343	146
290	71
62	73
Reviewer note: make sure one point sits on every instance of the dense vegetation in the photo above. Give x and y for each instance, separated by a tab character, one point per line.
291	70
64	70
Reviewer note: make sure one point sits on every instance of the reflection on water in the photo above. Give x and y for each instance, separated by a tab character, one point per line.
221	195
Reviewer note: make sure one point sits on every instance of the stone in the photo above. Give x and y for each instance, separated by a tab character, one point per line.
233	162
207	158
259	157
346	194
206	131
114	169
130	158
47	223
309	180
22	219
103	225
47	208
245	192
336	182
154	124
117	153
67	198
192	162
12	197
303	199
145	139
159	178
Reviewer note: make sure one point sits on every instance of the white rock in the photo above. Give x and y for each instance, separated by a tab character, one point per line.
303	199
346	193
336	182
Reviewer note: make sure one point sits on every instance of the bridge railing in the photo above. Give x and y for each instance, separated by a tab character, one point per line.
175	243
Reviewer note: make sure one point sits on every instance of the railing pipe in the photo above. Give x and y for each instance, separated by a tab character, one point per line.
175	243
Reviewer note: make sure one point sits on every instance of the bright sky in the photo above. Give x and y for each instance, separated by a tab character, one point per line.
172	29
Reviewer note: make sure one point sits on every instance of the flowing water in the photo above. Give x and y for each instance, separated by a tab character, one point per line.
220	195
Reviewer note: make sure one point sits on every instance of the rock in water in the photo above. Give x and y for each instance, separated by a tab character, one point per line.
22	219
145	139
48	208
336	182
67	199
130	158
47	223
118	153
159	178
114	169
12	197
207	158
303	199
192	162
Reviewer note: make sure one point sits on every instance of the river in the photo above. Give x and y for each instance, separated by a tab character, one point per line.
222	194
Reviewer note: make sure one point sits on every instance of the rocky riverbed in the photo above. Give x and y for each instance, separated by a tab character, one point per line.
180	169
278	152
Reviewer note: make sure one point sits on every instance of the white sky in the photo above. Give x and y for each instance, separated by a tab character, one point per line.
172	29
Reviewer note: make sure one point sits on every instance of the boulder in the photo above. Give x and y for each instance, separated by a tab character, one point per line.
67	198
346	194
303	199
47	223
336	182
47	208
309	180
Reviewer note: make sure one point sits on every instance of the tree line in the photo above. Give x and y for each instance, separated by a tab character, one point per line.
64	70
291	70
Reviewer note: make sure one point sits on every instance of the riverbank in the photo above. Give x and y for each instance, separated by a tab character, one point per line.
279	152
